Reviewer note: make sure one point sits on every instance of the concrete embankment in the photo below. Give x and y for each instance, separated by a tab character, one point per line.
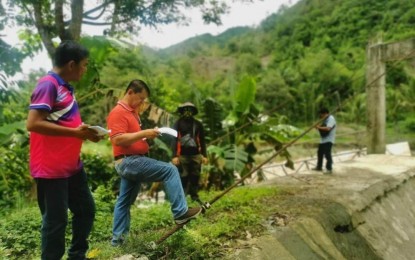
365	210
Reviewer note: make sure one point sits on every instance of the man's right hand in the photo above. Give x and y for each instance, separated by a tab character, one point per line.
151	133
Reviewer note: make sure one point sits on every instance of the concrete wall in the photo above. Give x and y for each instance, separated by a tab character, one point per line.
365	210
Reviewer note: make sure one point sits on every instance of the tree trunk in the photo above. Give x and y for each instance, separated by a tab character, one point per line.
43	31
115	18
77	8
60	25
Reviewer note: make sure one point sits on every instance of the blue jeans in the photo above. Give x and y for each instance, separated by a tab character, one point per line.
54	197
136	169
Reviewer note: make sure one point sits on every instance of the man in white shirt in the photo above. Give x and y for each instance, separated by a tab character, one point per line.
328	135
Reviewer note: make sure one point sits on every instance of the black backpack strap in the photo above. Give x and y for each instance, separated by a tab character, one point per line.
194	128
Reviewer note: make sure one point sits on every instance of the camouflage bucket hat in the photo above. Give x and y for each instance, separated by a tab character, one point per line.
187	105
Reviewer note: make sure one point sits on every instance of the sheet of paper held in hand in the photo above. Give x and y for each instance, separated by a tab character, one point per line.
167	130
100	130
163	130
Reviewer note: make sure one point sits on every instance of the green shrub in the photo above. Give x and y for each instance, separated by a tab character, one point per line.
104	202
410	124
15	180
20	234
20	229
100	171
239	212
231	217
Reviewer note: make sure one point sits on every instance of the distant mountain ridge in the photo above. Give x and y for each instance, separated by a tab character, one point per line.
206	39
304	56
315	20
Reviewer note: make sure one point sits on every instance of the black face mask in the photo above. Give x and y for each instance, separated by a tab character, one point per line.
187	112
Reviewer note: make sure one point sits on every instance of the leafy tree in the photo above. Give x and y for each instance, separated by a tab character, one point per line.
275	94
11	110
244	128
96	98
248	63
11	58
301	57
51	20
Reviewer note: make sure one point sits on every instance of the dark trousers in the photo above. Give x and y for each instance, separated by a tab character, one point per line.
190	166
55	196
324	150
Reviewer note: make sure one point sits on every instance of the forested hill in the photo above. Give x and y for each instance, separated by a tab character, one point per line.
205	41
301	57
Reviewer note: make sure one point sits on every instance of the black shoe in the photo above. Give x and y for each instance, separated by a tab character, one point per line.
190	214
317	169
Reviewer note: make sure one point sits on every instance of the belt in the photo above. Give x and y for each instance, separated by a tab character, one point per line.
121	156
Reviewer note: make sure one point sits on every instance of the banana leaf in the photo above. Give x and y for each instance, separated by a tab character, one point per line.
235	158
7	131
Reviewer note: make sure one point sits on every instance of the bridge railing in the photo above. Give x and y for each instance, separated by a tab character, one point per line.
273	170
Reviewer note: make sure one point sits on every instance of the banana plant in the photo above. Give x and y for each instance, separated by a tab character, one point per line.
9	129
96	99
237	134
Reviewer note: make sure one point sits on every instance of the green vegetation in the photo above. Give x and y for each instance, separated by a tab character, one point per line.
51	21
256	89
302	57
241	211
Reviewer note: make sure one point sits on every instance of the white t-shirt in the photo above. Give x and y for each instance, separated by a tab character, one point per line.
331	137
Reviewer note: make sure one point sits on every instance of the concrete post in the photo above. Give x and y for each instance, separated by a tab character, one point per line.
377	55
375	92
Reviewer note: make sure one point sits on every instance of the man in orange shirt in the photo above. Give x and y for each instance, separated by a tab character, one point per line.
131	163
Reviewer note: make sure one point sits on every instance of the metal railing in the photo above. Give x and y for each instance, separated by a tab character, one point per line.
273	170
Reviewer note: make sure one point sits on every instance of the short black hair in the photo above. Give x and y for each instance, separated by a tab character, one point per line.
137	85
323	110
67	51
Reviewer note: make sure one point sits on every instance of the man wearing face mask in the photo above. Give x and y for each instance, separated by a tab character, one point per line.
189	149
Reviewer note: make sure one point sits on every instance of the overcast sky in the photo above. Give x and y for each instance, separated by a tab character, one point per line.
241	14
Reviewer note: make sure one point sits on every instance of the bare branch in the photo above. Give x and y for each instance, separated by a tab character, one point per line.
96	17
93	10
97	23
86	15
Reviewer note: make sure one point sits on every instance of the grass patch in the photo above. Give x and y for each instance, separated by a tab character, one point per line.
212	235
103	147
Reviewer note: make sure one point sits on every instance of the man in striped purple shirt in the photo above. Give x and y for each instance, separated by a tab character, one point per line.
56	136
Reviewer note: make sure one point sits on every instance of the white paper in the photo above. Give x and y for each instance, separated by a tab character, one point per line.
168	130
100	130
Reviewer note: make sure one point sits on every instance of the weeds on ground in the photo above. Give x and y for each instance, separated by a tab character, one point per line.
212	235
209	236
